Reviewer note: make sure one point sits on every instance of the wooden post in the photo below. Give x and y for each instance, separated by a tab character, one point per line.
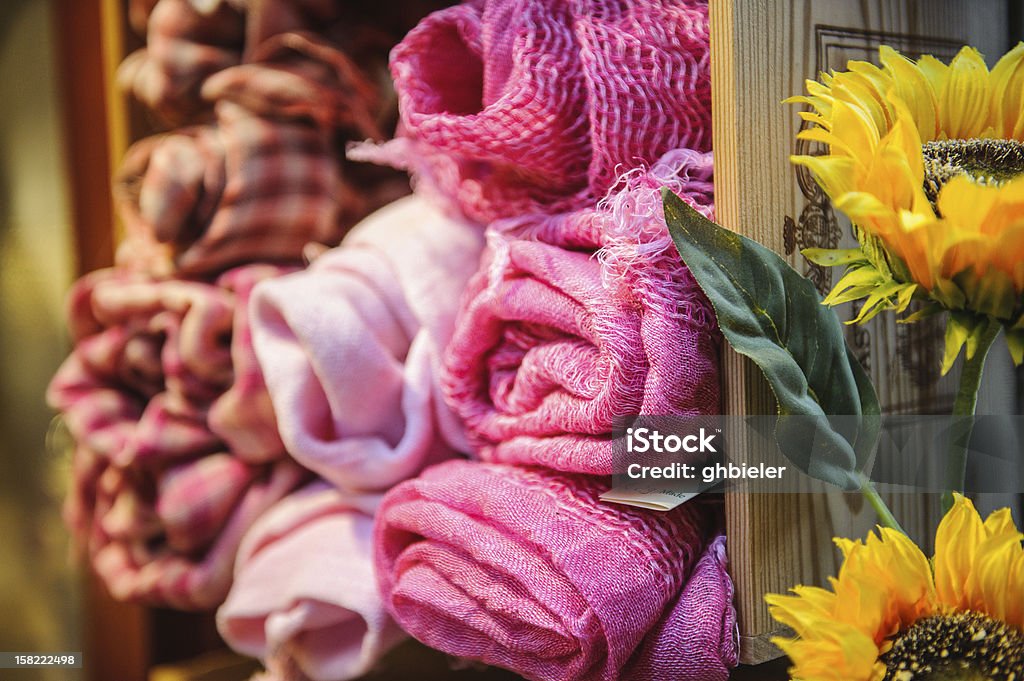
761	52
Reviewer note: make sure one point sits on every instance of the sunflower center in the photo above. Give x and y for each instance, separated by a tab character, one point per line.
986	161
962	646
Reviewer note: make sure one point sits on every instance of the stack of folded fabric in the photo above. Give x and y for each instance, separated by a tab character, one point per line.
177	451
413	431
351	349
554	126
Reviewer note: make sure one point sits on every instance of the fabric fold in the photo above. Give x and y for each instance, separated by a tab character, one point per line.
351	347
528	570
167	472
697	639
530	105
199	200
552	345
186	42
304	598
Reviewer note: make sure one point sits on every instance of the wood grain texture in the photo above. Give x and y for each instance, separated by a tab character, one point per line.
761	53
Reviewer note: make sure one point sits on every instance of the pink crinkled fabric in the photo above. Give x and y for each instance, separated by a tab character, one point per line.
528	570
351	348
168	470
186	42
304	599
199	200
697	639
513	107
552	345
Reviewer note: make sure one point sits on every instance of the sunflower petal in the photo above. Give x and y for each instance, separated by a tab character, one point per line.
1007	80
964	99
957	540
986	591
858	131
910	85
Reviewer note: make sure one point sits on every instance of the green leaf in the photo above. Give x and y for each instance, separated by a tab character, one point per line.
1015	341
956	335
856	283
770	313
880	299
927	310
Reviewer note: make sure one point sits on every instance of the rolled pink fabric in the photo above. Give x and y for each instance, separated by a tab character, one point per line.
186	42
168	472
552	345
200	200
305	598
351	347
512	107
528	570
697	639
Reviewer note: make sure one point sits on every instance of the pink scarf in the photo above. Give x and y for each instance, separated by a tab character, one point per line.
553	344
528	570
351	347
169	471
305	599
520	106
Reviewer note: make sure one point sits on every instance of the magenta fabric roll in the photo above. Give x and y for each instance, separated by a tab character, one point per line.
305	598
512	107
351	348
697	639
552	344
199	200
168	470
528	570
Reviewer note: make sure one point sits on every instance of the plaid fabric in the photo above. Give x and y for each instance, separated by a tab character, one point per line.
186	41
200	200
169	469
169	537
301	75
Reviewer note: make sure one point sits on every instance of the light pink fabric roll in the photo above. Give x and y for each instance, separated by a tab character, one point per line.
528	570
351	347
513	107
552	345
305	598
168	471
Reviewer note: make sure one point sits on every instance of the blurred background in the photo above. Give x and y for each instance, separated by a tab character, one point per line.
41	596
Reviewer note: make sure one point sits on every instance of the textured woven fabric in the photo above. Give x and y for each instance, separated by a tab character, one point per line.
168	471
526	569
697	639
514	106
305	599
351	348
200	200
552	345
186	41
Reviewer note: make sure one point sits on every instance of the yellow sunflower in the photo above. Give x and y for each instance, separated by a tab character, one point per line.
927	161
892	615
